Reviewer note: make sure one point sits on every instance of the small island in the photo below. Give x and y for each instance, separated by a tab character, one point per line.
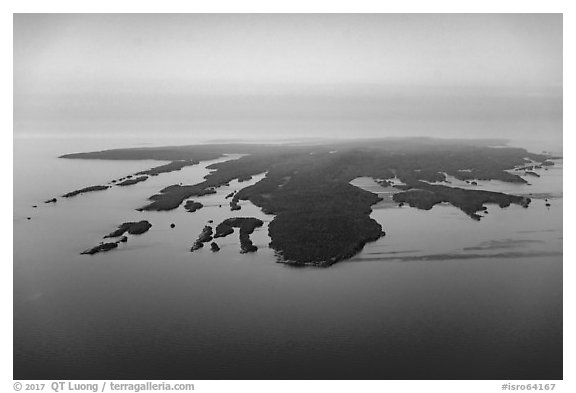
129	182
531	173
133	228
192	206
247	226
85	190
204	237
425	196
129	179
173	166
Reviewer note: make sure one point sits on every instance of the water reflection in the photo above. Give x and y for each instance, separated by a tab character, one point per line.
154	310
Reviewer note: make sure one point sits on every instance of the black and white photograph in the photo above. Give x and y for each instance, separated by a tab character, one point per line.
288	196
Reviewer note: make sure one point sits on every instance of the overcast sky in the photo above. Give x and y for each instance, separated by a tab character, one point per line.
114	73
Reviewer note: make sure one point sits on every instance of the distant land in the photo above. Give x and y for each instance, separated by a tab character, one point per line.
320	218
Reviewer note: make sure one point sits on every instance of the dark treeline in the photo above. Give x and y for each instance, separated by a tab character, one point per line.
319	217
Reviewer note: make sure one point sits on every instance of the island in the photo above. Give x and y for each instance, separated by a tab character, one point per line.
247	226
133	228
234	205
129	182
204	237
531	173
129	179
192	206
100	248
319	218
85	190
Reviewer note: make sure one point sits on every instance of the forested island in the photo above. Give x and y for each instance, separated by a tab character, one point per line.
247	225
192	206
319	217
132	228
85	190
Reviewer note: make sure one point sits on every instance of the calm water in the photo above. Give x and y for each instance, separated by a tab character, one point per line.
440	297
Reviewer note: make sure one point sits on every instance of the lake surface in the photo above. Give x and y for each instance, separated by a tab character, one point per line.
441	296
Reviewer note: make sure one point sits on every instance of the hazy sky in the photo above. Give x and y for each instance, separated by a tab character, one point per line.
375	73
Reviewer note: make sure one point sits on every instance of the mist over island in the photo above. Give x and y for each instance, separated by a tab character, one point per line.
288	197
319	217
